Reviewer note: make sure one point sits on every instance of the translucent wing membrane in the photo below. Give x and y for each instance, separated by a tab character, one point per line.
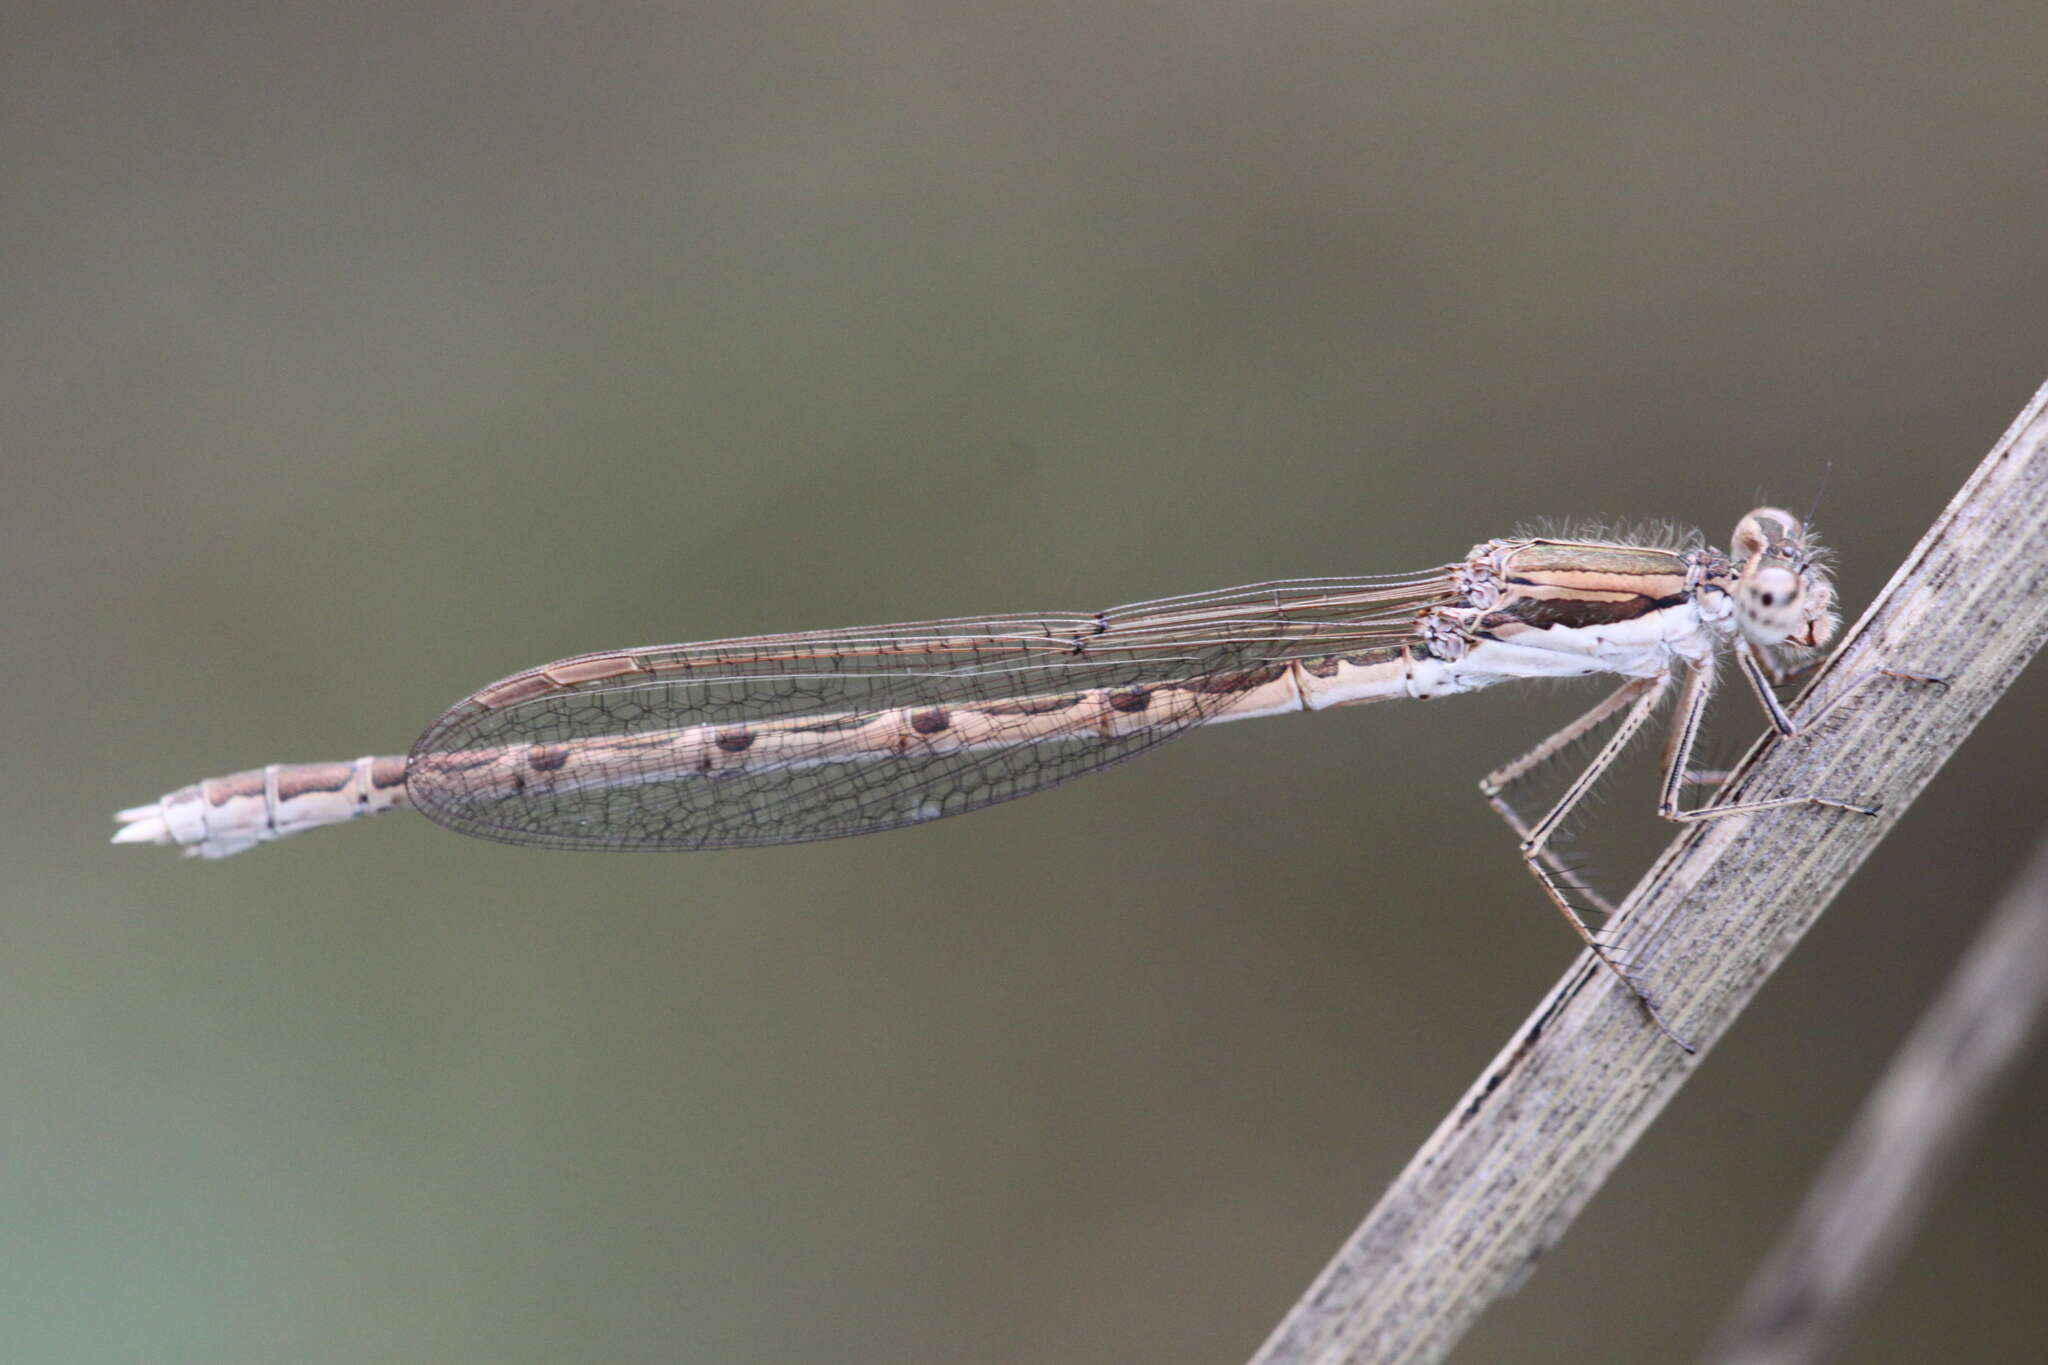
780	738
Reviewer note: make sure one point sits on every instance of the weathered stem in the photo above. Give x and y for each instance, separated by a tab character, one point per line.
1911	1131
1511	1166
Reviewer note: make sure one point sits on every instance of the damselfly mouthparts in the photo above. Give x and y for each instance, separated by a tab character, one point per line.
779	738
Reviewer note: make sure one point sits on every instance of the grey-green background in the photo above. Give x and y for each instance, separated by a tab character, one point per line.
356	355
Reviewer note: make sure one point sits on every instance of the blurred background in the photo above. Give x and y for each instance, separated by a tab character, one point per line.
357	355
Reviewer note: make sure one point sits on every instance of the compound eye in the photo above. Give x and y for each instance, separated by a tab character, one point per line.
1767	530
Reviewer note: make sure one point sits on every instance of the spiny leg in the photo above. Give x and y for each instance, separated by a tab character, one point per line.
1783	674
1685	731
1640	695
1495	784
1764	673
1516	769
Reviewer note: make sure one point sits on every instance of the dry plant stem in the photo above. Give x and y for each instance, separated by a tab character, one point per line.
1913	1128
1511	1166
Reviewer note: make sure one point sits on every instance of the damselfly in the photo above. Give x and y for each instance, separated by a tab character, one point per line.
775	739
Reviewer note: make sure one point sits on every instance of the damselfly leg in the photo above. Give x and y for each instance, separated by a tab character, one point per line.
1637	699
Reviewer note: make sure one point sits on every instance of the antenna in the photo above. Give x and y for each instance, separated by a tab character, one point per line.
1826	471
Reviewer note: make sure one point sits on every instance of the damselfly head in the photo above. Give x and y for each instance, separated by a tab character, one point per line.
1781	591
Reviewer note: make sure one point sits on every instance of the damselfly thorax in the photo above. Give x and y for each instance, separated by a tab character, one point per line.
780	738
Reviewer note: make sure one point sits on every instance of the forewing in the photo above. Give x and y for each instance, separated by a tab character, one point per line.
778	739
